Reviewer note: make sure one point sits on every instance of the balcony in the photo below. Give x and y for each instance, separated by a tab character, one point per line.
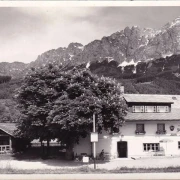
161	132
140	132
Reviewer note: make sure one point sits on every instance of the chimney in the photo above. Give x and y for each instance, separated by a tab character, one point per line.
122	89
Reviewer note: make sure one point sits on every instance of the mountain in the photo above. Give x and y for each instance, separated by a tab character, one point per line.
130	46
168	68
58	56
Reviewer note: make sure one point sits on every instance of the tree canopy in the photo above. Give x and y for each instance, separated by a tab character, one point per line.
59	103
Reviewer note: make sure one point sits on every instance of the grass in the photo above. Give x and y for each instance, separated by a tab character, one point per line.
86	170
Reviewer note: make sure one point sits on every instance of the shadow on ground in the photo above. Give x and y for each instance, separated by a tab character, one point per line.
53	161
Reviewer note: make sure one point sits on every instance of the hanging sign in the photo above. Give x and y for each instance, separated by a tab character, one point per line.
94	137
171	128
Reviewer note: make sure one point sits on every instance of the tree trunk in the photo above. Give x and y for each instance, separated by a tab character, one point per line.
42	149
47	147
69	152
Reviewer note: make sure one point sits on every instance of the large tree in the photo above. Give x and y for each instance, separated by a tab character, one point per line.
35	98
59	103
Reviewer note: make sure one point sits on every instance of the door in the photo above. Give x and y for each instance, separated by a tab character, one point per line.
122	149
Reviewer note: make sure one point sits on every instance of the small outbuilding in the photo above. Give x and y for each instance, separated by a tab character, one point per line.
7	139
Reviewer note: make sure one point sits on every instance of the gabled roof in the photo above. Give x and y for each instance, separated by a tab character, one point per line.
154	98
173	115
148	98
9	128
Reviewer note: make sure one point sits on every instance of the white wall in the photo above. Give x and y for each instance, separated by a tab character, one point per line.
150	127
84	146
135	142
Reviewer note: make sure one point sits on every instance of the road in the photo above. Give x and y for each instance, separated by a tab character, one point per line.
93	176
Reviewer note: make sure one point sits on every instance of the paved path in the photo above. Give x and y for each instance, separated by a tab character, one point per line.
93	176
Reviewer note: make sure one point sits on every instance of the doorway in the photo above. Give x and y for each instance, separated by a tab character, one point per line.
122	149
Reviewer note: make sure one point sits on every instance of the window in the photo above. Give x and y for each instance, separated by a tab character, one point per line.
140	129
162	109
151	146
138	108
160	129
150	109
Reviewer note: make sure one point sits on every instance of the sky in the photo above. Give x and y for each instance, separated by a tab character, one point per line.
26	32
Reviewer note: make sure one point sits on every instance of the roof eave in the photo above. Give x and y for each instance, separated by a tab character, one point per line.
11	134
150	102
152	120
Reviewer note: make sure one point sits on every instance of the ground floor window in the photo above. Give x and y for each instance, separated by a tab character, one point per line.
178	144
151	146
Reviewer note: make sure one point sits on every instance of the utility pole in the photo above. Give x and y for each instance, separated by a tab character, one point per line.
94	143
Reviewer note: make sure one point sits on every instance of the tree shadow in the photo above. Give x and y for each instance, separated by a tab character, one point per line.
53	161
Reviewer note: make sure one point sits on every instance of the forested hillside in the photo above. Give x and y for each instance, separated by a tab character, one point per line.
153	81
8	107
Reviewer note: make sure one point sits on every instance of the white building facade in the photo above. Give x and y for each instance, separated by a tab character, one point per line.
151	128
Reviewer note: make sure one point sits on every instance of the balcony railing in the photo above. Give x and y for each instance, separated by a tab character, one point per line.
140	132
161	132
4	149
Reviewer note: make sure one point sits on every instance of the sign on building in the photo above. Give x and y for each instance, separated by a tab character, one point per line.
94	137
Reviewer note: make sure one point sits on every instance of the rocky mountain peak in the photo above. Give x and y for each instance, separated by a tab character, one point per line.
128	46
175	22
75	45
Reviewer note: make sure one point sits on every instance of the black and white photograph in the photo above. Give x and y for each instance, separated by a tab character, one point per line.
90	90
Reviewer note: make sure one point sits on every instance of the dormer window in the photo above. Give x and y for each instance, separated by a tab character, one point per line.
162	109
138	108
150	109
155	108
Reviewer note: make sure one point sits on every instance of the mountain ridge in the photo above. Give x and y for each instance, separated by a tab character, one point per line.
128	46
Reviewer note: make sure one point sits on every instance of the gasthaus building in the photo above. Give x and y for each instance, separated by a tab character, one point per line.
152	128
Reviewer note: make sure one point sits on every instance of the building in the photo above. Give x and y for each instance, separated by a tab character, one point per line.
151	128
6	137
9	143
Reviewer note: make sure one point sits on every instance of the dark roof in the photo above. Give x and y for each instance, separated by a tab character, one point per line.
148	98
9	128
173	115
